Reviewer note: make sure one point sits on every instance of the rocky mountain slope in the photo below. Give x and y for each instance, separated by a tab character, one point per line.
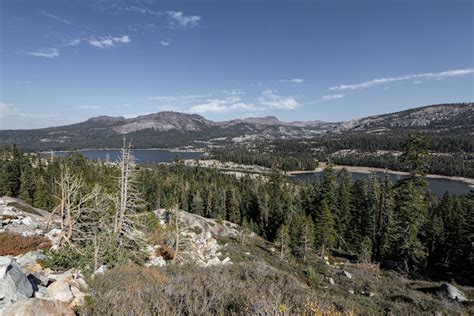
172	129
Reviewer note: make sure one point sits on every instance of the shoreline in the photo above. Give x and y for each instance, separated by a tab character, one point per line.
368	170
103	149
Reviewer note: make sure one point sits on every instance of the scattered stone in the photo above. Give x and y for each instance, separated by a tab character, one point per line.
331	281
29	222
453	293
32	268
29	258
226	261
156	262
54	235
102	269
14	286
79	297
213	262
346	274
61	291
38	307
351	291
42	292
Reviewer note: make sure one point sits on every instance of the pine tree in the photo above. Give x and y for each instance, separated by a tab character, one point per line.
306	238
383	216
342	218
325	233
197	205
283	241
28	184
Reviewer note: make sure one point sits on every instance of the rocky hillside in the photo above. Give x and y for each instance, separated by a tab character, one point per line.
222	267
172	129
436	117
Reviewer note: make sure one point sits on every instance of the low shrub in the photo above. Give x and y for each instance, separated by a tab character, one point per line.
246	288
166	252
14	244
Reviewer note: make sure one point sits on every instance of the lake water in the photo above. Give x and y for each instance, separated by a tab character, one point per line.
437	186
141	155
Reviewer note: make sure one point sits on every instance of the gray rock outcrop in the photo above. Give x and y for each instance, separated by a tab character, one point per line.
14	285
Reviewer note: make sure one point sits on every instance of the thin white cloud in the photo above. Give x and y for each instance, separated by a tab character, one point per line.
89	107
179	20
108	41
332	97
74	42
165	43
272	100
293	80
179	98
55	17
230	104
416	77
233	92
5	109
46	53
176	19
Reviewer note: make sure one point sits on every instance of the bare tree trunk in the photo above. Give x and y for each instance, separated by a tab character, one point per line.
282	246
96	255
176	250
124	179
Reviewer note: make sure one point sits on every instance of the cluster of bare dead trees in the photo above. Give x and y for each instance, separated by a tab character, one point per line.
94	222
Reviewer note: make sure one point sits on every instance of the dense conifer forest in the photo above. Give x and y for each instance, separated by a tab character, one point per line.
452	154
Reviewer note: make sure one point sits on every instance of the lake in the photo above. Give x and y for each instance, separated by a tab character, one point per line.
141	155
437	186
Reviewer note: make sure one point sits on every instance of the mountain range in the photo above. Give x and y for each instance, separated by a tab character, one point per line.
173	129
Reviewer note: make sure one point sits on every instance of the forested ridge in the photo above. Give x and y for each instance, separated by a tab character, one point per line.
399	225
452	154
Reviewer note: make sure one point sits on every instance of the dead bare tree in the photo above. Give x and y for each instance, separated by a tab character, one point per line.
71	200
128	201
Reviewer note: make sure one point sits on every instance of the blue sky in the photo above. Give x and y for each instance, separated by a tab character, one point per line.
65	61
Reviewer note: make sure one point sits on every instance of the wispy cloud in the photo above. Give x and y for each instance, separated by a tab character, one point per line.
89	107
55	17
74	42
230	104
293	80
46	53
273	100
176	19
186	97
5	109
165	43
8	110
179	20
416	77
108	41
332	97
62	20
233	92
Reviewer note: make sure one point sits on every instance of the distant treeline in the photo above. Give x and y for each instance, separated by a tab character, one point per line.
455	158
